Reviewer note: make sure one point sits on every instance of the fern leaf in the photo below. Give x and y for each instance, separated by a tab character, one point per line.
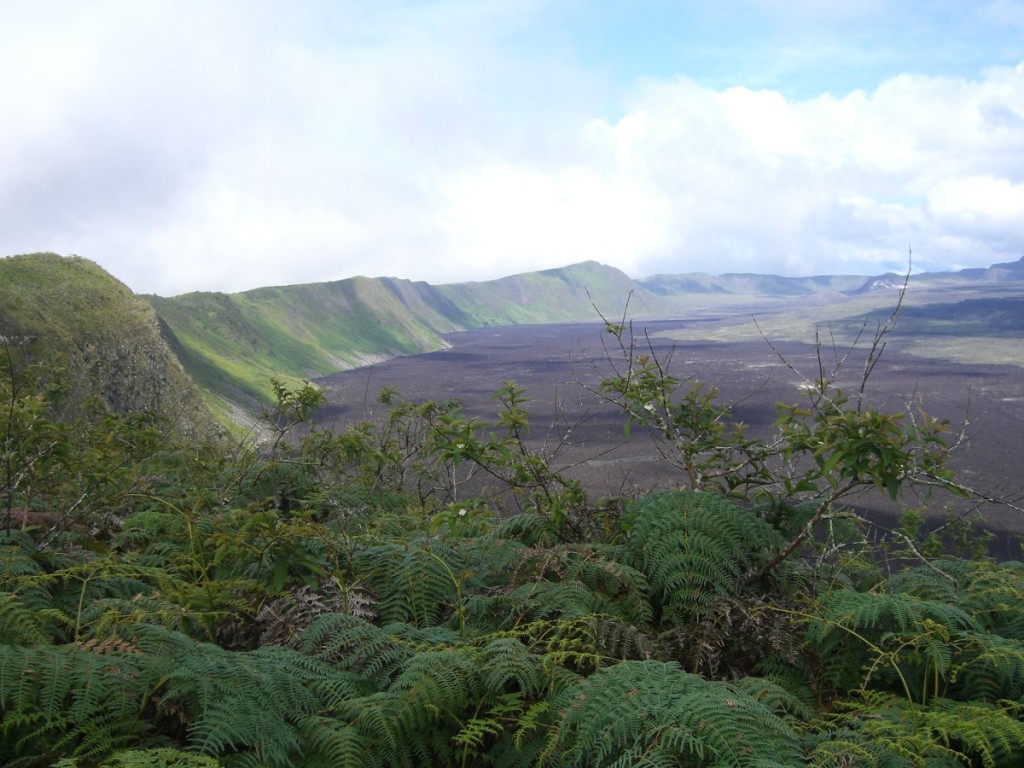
654	711
19	623
694	547
416	583
353	644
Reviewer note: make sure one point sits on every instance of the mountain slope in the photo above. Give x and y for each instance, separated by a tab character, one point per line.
233	344
553	295
69	312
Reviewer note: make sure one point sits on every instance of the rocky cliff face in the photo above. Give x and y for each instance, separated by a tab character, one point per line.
71	314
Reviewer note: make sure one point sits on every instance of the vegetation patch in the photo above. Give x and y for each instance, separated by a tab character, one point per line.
428	589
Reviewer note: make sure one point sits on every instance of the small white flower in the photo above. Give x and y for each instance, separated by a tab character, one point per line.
460	446
463	512
649	407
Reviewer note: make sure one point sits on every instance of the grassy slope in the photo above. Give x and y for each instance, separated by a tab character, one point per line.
71	312
553	295
233	344
46	293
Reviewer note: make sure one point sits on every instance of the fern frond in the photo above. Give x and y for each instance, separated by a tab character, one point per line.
416	582
528	528
793	675
653	711
619	589
353	644
240	702
987	733
626	588
776	697
285	617
569	643
924	583
620	640
695	547
17	557
333	744
853	627
492	558
551	600
989	667
21	623
888	730
993	593
65	698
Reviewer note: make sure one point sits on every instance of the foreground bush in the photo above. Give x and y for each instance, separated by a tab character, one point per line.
342	599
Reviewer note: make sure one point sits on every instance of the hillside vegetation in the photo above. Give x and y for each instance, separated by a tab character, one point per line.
104	342
233	344
426	590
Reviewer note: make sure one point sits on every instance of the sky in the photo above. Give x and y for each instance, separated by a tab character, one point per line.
223	145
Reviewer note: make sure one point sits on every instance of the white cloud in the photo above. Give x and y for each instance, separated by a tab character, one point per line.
188	145
982	206
512	219
745	180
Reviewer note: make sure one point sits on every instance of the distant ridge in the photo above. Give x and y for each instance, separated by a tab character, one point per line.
749	284
231	345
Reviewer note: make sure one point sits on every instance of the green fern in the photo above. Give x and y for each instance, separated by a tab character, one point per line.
651	713
449	704
71	700
354	644
993	593
334	744
416	582
989	668
694	548
862	636
568	580
27	613
251	704
21	622
615	587
887	731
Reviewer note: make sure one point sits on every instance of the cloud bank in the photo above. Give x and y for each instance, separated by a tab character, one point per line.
224	146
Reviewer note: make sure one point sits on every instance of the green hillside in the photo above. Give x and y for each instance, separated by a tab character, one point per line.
232	344
553	295
69	313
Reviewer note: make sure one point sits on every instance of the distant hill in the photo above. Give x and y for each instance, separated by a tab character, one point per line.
231	345
749	284
69	312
